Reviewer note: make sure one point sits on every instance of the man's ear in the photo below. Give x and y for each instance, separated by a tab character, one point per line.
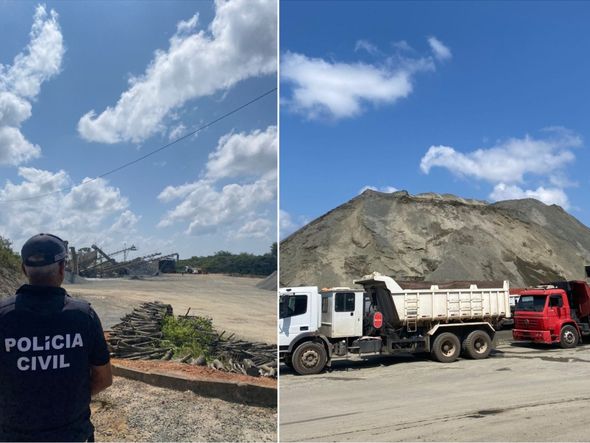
22	266
62	268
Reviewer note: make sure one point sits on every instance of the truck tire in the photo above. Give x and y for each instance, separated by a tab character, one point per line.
477	345
446	347
309	358
569	337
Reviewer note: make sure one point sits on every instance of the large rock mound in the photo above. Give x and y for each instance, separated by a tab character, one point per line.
436	237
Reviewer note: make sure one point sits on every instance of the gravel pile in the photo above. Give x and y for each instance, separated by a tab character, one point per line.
436	238
269	283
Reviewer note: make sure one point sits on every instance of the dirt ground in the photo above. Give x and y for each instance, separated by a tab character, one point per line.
235	303
134	411
521	393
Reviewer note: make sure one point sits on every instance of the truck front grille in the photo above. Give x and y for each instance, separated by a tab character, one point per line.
527	323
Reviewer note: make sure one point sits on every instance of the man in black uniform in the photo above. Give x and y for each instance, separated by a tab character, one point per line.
53	355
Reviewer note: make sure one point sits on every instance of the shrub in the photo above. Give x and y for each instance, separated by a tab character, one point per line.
186	335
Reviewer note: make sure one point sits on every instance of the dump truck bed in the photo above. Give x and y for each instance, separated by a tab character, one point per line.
436	304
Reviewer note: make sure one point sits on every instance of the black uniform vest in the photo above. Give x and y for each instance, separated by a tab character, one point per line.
48	341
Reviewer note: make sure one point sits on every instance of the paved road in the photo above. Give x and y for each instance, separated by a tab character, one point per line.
521	393
234	303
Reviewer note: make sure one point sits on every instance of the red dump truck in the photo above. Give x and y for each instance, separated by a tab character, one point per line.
557	312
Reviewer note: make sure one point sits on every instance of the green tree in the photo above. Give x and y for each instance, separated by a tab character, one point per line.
225	262
8	258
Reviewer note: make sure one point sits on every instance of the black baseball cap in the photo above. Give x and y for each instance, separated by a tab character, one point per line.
43	250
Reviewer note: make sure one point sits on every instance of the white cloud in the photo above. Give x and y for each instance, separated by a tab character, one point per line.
242	154
186	26
548	196
94	198
258	228
441	52
20	83
508	161
207	208
81	214
240	43
330	89
126	222
509	165
177	131
387	189
339	90
365	45
211	204
40	61
402	45
171	193
15	148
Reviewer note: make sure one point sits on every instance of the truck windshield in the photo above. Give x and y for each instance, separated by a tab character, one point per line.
531	303
292	305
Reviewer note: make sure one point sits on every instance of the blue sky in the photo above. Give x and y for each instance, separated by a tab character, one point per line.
485	100
88	86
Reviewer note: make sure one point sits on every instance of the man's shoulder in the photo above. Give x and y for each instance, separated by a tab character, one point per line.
7	304
77	304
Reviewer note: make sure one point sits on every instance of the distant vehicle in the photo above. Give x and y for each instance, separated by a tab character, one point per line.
191	270
318	326
556	312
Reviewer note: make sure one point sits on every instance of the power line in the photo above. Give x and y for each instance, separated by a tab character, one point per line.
149	154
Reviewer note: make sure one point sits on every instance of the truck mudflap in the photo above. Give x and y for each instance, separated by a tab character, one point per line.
534	336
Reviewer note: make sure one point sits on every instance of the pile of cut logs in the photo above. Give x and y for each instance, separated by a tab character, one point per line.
249	358
139	336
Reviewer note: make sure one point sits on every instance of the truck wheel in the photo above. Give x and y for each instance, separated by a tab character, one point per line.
446	347
309	358
569	337
477	345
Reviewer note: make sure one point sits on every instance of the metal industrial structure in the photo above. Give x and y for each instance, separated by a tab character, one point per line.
94	262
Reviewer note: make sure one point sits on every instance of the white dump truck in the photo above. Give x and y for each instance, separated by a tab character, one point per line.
317	326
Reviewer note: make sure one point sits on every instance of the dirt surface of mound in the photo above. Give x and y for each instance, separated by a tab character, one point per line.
269	283
437	238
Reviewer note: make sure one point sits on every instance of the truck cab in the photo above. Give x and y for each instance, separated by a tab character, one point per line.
556	312
314	324
299	315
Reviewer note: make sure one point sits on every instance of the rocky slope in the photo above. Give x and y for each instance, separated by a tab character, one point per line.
9	282
438	238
